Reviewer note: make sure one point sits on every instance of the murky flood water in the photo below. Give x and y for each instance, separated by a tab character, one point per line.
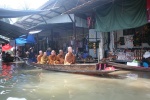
26	83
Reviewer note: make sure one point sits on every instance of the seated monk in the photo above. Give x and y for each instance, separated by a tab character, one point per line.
61	57
53	59
69	58
44	59
39	57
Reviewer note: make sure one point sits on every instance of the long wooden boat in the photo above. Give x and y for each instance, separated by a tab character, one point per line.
74	68
13	60
123	66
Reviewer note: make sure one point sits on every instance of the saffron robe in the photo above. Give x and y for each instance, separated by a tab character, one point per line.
44	60
61	58
53	59
69	59
39	58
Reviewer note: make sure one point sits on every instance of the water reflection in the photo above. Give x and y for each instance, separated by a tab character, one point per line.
28	83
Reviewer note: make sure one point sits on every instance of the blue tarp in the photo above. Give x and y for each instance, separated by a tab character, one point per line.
21	41
29	39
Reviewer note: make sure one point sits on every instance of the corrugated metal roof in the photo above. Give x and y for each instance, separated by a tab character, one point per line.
56	7
11	31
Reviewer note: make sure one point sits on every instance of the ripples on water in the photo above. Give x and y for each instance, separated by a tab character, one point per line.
26	83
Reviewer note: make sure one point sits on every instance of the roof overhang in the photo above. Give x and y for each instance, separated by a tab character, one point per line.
11	31
57	7
88	6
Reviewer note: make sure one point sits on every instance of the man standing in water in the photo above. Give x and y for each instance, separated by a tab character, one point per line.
69	58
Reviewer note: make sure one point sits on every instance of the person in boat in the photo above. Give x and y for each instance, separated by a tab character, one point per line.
146	60
61	57
32	57
48	51
39	56
8	58
69	57
44	58
53	59
3	55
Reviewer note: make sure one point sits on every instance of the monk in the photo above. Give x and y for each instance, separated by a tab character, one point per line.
69	58
61	57
44	59
39	56
53	59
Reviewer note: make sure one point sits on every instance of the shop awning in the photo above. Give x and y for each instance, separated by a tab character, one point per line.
11	31
6	13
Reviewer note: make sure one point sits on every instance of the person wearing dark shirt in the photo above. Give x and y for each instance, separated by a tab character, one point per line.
32	57
146	60
48	51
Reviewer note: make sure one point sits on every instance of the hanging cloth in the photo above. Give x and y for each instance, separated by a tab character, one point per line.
148	10
121	14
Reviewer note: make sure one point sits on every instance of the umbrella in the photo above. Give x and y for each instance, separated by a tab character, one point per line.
6	47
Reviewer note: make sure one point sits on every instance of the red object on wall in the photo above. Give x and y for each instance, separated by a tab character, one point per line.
148	10
89	21
6	47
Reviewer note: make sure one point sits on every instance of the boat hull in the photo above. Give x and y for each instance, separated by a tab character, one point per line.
123	66
74	68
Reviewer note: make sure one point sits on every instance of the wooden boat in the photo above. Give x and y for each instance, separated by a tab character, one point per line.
7	59
13	60
123	66
74	68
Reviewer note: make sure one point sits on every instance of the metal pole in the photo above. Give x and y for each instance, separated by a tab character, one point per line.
99	53
52	39
75	35
37	43
15	50
96	44
74	28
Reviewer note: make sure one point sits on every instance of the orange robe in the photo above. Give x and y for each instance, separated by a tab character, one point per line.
39	59
61	58
53	59
69	58
44	60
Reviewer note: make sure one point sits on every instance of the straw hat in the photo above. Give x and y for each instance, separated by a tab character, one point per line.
146	55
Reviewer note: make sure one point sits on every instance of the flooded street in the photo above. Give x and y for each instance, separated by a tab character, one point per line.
27	83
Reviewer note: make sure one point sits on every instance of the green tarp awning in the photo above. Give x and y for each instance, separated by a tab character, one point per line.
121	14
